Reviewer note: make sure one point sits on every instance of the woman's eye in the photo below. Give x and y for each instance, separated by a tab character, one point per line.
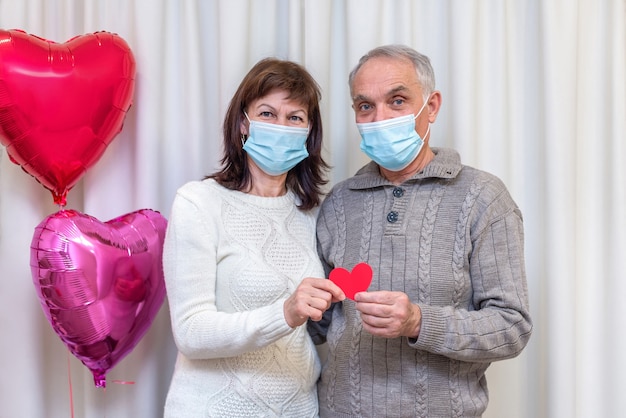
266	114
295	118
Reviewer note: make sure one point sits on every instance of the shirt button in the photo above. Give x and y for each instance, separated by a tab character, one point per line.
392	217
398	192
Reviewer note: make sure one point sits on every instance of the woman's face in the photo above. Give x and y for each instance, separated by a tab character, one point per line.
275	107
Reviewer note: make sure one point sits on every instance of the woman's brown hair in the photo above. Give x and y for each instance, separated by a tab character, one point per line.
308	176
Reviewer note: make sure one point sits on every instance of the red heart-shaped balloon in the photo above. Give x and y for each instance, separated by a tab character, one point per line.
61	105
100	284
352	283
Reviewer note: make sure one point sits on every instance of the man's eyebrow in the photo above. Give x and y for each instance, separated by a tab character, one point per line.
397	90
360	98
392	92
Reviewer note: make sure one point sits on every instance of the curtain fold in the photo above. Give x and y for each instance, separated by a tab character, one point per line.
533	92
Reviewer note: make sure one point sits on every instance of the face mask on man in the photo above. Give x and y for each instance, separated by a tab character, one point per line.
275	148
392	143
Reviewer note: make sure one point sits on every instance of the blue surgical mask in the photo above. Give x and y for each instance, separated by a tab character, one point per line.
276	148
392	143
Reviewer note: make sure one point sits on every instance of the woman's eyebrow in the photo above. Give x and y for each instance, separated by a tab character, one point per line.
265	105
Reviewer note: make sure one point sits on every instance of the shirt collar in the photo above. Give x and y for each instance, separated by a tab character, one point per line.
445	165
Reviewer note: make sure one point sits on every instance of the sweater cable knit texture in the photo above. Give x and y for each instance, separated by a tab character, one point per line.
230	261
451	238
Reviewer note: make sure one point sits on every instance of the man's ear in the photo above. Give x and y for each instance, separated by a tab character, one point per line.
434	104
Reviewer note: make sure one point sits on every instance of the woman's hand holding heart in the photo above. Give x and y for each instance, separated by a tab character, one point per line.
310	300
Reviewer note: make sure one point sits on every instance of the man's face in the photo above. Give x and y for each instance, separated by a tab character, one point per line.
386	88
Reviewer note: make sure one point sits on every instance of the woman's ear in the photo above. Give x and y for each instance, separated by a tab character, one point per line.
243	127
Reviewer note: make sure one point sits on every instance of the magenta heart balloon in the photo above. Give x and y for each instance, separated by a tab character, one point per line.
100	284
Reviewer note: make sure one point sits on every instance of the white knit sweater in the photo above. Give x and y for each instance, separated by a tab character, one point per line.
230	260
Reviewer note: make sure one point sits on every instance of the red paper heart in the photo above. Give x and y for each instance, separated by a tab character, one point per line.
352	283
61	105
100	285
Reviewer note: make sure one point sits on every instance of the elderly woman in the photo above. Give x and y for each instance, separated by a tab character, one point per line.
240	261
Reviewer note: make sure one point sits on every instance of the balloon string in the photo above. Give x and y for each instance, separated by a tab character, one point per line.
69	378
119	382
123	382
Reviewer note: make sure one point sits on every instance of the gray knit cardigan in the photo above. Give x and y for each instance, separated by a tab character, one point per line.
452	239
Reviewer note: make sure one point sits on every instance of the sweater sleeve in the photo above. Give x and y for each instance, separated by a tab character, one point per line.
319	329
189	263
497	324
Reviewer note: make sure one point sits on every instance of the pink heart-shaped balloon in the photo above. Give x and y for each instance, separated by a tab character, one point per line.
352	283
61	105
100	284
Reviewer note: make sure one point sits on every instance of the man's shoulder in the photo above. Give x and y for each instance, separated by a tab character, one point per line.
478	176
449	160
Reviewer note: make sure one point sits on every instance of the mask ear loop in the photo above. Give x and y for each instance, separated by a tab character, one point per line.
243	136
423	106
418	113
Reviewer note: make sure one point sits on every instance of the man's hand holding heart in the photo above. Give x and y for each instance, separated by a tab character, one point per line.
383	313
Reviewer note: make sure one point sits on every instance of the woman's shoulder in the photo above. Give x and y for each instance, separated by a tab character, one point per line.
205	191
207	185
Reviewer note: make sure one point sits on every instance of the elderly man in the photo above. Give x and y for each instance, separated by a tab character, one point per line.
445	243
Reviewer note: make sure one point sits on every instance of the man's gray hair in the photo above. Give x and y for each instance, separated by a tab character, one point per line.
424	69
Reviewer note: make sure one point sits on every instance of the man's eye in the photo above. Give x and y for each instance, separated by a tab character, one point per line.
398	102
364	107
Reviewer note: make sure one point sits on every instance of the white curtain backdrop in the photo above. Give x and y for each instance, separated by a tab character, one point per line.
534	91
